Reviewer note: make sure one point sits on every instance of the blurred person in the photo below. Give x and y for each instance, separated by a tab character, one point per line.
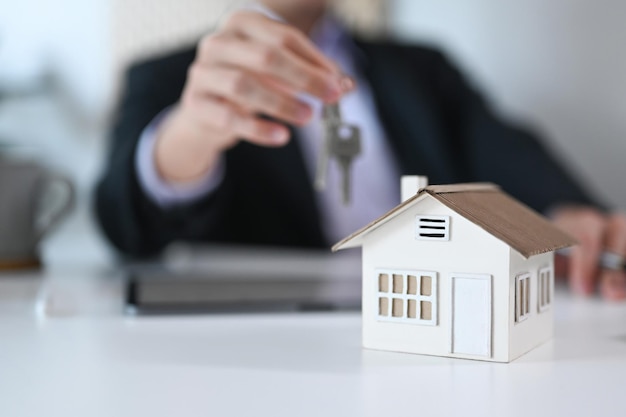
218	143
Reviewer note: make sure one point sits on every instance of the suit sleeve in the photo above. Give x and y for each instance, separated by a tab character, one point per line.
487	148
130	219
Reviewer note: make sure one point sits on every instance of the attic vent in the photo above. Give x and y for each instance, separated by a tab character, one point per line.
432	228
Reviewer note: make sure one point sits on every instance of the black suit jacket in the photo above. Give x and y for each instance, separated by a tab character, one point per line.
437	125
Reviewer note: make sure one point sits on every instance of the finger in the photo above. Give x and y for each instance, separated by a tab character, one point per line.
215	114
283	36
261	132
615	236
583	268
280	35
249	92
613	283
279	64
561	267
209	111
584	258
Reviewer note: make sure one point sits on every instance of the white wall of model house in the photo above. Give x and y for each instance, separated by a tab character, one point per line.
539	326
470	250
471	264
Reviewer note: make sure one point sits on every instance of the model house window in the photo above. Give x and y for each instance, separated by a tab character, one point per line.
522	297
407	296
432	228
544	296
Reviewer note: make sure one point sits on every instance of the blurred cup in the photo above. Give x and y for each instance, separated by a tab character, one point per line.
33	200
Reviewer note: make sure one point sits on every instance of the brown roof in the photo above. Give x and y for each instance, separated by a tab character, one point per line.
490	208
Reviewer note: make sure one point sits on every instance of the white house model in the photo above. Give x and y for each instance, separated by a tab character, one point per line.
464	271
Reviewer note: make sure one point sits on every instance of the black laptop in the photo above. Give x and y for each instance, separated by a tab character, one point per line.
245	279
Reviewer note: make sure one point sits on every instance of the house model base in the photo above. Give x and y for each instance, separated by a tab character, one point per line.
463	271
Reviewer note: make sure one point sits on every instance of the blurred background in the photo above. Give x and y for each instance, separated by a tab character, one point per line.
558	66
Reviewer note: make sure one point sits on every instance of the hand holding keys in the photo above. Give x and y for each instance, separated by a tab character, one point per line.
342	142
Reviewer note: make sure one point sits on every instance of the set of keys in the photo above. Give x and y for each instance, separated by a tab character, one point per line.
341	142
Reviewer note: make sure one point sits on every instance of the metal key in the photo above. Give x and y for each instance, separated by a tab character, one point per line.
331	118
345	145
342	142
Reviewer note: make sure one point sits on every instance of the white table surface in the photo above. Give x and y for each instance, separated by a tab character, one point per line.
66	349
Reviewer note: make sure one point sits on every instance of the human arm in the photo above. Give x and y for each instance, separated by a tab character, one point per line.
164	193
253	65
132	220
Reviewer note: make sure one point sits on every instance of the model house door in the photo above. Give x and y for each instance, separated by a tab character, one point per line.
471	315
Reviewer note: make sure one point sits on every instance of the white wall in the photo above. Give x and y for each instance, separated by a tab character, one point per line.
65	39
393	246
559	64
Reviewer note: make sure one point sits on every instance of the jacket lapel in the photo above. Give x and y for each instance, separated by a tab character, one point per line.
407	113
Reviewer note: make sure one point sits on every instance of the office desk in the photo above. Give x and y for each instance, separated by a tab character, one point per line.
67	350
